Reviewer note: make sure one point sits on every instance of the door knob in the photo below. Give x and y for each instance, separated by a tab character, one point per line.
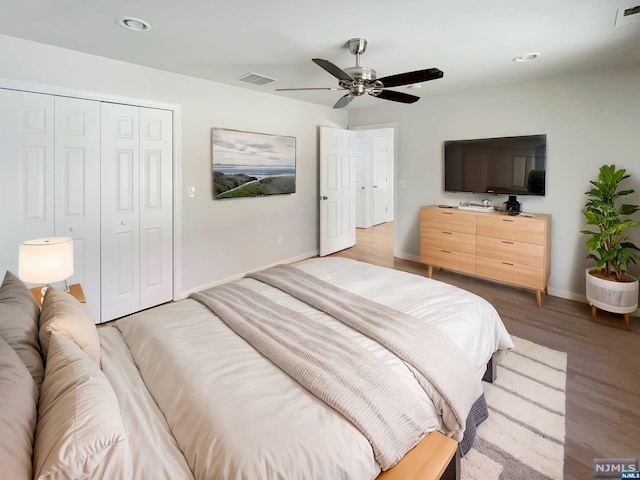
123	222
72	229
375	186
324	197
362	187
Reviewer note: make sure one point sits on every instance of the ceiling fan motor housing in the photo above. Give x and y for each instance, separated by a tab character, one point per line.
361	73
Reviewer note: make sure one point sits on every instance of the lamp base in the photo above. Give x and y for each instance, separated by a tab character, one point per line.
43	292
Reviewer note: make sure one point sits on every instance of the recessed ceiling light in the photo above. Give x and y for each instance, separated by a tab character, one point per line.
527	57
136	24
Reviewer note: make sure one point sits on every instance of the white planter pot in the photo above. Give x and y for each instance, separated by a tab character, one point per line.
615	297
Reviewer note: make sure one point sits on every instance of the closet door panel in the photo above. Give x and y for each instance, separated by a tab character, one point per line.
77	192
26	172
120	219
156	208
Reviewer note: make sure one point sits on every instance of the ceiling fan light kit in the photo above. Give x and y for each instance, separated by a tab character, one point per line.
359	80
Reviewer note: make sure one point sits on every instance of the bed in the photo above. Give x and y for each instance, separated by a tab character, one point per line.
196	400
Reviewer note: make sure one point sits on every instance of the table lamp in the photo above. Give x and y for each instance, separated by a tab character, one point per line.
46	261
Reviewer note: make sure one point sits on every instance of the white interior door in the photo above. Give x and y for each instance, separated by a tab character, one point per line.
337	190
77	192
362	171
156	218
120	219
26	172
379	172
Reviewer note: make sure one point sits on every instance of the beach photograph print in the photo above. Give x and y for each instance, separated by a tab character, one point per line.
252	164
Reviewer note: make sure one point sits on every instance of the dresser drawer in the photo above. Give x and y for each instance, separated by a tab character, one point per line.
512	228
448	219
448	240
508	272
446	258
511	251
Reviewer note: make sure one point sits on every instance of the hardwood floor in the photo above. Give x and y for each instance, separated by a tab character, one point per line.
603	370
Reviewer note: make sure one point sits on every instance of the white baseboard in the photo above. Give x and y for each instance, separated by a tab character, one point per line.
578	297
407	256
304	256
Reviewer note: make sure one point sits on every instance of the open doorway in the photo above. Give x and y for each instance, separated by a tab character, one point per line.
375	188
357	191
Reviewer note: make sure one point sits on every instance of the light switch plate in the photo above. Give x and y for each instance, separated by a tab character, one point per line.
402	184
191	191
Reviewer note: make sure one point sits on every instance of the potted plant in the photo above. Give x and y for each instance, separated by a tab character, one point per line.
609	286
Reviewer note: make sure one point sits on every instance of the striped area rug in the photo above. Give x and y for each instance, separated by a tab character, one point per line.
524	434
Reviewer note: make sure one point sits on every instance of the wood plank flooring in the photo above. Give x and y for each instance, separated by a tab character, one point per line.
603	371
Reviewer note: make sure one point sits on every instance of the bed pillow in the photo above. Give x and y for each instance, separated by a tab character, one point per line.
63	314
19	314
18	402
78	417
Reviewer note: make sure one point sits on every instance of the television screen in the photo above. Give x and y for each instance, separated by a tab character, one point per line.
508	165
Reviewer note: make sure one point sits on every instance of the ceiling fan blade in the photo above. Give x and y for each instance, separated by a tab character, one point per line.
344	101
397	96
333	70
311	88
409	78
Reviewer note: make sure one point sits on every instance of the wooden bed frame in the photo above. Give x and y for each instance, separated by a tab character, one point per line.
436	456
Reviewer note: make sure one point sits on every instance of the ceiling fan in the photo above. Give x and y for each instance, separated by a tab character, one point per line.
360	80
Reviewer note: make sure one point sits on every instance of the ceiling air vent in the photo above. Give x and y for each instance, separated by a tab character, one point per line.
628	15
256	79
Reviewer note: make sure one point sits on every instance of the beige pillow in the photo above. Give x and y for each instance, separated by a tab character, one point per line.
18	400
78	418
63	314
19	314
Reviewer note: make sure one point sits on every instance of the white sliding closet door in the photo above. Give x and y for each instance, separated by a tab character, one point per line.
156	218
77	190
26	172
120	192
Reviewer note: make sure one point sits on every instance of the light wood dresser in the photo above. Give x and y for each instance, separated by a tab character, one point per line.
508	249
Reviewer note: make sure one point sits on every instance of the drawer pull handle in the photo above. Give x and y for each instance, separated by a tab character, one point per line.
507	263
504	241
447	213
505	220
447	233
445	251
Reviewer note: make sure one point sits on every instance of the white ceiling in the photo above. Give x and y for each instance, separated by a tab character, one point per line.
472	41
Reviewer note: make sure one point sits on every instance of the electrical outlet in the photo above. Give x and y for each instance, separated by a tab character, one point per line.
280	239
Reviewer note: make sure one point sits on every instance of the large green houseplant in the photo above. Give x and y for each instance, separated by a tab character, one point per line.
609	286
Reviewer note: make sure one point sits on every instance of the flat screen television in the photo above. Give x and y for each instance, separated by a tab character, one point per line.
507	165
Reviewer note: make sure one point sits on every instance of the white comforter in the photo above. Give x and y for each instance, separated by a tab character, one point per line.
235	415
149	450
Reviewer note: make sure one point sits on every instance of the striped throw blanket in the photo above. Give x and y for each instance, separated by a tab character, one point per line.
341	373
432	353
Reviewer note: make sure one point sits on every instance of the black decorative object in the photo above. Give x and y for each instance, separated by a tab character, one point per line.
513	205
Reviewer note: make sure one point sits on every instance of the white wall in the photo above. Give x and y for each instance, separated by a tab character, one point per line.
220	238
589	119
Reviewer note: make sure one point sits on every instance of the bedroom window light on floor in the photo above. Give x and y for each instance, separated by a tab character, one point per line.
46	261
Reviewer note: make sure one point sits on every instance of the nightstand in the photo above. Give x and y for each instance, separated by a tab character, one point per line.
75	290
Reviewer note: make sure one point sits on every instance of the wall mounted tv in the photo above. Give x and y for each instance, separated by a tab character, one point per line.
507	165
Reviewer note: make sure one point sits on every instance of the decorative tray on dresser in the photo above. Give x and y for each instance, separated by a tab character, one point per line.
509	249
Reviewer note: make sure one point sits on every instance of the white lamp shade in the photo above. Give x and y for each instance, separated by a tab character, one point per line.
46	260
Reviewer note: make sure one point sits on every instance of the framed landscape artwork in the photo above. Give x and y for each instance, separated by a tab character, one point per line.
249	164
